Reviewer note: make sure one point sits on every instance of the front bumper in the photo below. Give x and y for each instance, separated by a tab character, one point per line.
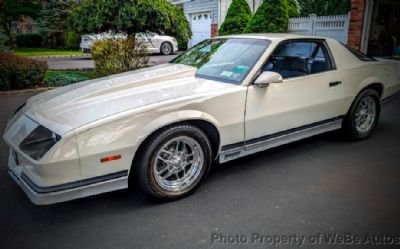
68	191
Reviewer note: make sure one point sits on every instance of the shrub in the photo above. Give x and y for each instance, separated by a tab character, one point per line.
28	40
117	55
182	45
237	18
63	78
272	16
293	8
19	72
72	40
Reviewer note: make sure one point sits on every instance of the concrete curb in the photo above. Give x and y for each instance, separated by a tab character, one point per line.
76	56
84	69
25	91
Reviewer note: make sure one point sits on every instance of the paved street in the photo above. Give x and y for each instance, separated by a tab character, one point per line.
87	63
325	184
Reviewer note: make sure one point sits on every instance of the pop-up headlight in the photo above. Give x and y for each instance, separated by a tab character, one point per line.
39	141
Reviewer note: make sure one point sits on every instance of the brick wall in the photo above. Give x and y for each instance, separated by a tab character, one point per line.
214	29
356	23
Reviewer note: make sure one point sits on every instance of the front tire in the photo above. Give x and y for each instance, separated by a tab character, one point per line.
173	162
363	115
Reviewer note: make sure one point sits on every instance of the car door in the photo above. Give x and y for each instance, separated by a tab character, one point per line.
310	94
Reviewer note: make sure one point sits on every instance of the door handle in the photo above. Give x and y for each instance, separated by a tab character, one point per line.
335	83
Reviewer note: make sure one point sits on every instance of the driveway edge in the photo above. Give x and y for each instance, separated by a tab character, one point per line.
76	56
25	91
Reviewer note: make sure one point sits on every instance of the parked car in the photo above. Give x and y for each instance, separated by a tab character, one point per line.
163	126
156	44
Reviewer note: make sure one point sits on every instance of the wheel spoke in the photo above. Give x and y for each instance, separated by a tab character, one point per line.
178	143
169	153
165	161
169	174
166	168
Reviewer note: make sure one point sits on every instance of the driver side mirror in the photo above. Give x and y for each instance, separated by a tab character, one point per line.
267	78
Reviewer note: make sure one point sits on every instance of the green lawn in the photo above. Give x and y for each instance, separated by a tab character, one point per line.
397	57
45	52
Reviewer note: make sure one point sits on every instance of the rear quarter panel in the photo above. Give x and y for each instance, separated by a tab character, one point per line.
358	78
357	74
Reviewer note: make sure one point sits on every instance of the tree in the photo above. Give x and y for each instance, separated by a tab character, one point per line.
272	16
14	10
324	7
293	8
237	18
52	20
130	17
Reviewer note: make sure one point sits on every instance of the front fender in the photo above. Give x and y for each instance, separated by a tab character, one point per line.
123	137
174	117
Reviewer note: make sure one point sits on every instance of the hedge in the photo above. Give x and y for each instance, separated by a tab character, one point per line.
63	78
19	72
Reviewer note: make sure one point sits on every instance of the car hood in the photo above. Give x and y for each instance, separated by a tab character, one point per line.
66	108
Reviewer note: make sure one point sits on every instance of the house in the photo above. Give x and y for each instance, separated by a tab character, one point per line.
206	16
375	26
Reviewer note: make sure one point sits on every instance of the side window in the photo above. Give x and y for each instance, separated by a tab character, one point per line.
300	58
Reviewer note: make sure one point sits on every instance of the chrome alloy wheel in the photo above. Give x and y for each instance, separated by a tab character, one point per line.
366	113
166	48
178	163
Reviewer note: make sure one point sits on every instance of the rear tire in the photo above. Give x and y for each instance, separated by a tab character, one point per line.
363	115
166	48
173	162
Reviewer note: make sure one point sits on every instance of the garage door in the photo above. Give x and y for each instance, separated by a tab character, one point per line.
201	27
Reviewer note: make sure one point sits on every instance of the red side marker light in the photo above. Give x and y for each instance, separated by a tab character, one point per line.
110	158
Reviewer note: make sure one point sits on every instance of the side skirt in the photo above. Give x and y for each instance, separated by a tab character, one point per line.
278	139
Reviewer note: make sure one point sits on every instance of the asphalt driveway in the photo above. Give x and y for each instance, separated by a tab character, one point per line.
321	185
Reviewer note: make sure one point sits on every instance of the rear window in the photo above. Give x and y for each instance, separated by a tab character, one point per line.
359	55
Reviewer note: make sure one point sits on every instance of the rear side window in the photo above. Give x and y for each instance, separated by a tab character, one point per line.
359	55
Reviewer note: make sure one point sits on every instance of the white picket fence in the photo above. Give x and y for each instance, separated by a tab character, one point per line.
335	27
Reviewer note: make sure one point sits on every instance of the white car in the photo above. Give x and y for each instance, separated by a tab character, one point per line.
162	127
156	44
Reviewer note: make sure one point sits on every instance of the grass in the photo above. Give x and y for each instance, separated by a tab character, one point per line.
44	52
397	57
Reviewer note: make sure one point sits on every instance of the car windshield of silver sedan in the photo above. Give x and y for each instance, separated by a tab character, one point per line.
226	60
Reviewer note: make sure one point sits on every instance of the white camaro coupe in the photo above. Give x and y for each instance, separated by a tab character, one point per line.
163	126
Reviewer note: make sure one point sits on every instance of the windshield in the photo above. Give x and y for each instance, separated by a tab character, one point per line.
226	60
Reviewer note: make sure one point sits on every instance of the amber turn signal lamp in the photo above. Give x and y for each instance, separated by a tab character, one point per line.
110	158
